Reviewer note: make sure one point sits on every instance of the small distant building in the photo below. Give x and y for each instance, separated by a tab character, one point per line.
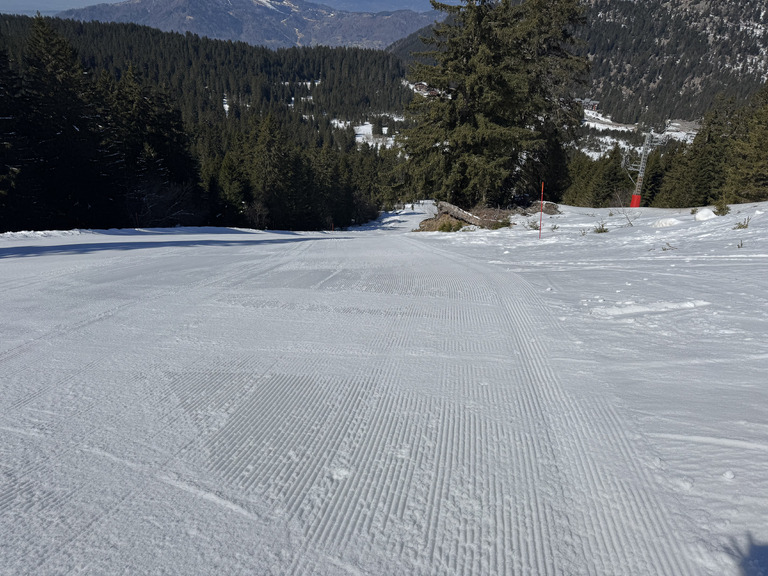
682	130
589	104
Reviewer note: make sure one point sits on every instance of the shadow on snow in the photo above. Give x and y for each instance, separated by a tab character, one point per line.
141	243
752	558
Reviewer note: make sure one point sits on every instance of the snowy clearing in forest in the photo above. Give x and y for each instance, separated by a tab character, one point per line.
377	401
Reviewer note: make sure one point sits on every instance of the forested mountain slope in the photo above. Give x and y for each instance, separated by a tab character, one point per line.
654	60
378	5
272	23
200	72
254	127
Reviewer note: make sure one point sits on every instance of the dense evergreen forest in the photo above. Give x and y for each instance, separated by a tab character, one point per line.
111	125
657	60
727	163
679	63
118	125
653	61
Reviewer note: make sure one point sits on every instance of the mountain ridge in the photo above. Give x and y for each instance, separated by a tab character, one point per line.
270	23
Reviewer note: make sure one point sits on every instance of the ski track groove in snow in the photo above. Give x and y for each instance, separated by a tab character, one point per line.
619	527
16	488
563	414
65	329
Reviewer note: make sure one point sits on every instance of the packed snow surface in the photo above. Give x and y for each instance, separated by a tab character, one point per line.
378	401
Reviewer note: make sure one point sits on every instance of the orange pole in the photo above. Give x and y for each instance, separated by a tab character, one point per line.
541	214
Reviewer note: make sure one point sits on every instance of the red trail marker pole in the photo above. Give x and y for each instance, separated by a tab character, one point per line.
541	214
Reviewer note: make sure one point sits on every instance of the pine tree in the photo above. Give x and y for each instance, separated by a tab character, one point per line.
614	187
600	183
328	190
152	163
60	170
654	176
583	170
677	189
697	172
747	167
235	188
272	175
10	141
500	107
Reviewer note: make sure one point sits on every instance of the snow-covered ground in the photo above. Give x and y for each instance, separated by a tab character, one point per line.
375	401
597	145
364	134
598	122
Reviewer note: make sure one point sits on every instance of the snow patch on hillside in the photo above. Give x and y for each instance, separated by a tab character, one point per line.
597	146
265	3
597	121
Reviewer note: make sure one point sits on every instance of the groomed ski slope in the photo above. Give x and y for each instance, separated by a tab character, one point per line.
376	401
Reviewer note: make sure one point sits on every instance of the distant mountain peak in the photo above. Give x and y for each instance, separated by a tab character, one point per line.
271	23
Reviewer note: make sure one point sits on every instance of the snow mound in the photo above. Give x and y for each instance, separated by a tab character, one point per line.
666	223
704	214
631	308
24	234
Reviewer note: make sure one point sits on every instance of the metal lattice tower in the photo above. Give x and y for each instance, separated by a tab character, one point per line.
651	141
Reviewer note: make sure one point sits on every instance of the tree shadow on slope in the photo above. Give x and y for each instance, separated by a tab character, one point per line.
752	558
141	244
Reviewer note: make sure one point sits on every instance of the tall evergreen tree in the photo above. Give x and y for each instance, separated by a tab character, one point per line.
60	171
747	167
582	189
10	141
235	188
151	162
697	172
500	108
599	183
329	189
272	175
